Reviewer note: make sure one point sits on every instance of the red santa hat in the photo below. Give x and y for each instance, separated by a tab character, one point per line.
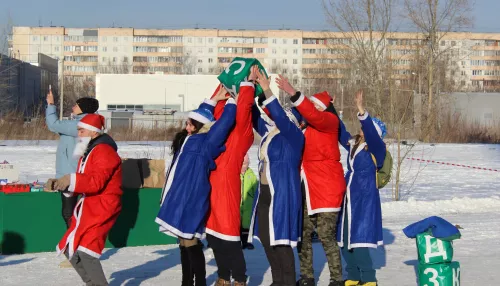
93	122
322	99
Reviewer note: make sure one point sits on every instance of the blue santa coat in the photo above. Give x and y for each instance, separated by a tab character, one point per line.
185	198
283	155
362	199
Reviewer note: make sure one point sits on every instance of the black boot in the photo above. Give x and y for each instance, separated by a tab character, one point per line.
187	272
197	259
304	281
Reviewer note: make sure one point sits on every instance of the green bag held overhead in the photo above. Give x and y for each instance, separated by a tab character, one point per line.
443	274
433	250
238	71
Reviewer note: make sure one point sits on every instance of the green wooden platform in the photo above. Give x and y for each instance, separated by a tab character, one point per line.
32	222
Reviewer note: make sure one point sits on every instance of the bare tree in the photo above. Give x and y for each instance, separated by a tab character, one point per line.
435	19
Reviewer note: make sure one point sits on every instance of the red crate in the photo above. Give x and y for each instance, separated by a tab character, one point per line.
16	188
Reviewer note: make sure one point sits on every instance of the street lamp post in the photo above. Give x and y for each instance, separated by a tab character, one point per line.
183	102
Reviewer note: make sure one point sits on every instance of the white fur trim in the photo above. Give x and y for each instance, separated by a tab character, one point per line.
247	83
72	183
300	100
363	117
230	101
324	210
210	102
222	236
318	102
88	251
171	172
198	117
89	127
269	100
172	231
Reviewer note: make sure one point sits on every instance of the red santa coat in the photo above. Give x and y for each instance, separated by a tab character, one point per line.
322	172
225	198
98	179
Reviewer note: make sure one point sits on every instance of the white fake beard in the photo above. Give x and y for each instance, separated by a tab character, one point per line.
81	147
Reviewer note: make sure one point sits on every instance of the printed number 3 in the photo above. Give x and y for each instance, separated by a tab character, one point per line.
434	275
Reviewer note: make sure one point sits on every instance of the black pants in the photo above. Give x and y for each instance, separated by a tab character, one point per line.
68	205
280	257
229	258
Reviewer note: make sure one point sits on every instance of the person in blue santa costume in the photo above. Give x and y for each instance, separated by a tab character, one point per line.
185	198
360	224
277	210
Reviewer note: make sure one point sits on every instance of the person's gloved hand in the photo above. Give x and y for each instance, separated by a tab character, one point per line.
63	183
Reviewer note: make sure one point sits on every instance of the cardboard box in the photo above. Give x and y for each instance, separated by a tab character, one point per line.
143	173
9	172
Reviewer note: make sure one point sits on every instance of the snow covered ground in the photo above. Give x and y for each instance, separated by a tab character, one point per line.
463	196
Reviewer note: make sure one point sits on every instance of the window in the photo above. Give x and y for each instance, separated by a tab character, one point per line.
56	49
274	61
115	39
295	61
453	43
295	81
452	73
200	61
200	40
274	51
45	38
211	70
35	38
463	63
274	41
125	39
462	82
114	59
200	70
115	49
285	41
295	41
104	49
295	51
294	71
210	40
443	43
104	59
210	61
210	50
285	51
285	71
104	39
125	59
284	61
463	73
260	51
190	40
57	39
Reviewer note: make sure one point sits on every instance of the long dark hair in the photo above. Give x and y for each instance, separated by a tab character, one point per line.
180	136
358	139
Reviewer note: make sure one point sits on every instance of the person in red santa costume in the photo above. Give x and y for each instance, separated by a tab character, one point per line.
224	222
322	177
98	179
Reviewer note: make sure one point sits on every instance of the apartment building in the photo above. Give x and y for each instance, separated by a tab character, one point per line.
298	54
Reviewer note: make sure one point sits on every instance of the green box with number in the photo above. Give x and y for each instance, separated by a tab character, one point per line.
238	71
432	250
442	274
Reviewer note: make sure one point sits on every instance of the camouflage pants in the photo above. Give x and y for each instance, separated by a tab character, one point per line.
326	227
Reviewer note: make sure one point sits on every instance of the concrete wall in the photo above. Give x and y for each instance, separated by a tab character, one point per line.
483	108
158	90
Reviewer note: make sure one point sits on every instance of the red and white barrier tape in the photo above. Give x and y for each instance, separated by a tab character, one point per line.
451	164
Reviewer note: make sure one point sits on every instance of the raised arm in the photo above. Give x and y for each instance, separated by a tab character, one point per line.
65	127
219	131
376	145
320	120
258	123
345	136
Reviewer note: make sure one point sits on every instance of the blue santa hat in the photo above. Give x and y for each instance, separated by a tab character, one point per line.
380	126
202	115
